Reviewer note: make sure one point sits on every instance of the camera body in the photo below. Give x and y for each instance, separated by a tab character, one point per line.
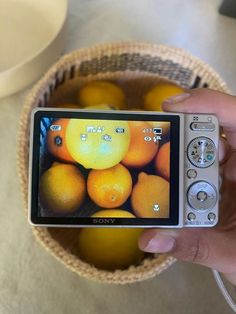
200	170
193	181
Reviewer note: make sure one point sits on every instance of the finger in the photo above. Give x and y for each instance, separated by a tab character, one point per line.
224	150
207	101
207	247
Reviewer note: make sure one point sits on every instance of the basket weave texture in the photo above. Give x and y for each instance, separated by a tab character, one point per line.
136	67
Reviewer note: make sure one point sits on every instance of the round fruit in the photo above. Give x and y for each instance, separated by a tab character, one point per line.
97	145
109	188
154	98
56	141
141	151
62	188
101	107
74	106
150	197
110	248
162	161
100	93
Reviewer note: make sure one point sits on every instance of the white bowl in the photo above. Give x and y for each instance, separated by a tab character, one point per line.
31	38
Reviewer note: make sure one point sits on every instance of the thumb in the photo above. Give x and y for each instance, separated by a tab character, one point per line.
208	247
207	101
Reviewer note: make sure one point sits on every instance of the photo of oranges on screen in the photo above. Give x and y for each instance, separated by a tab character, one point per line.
88	166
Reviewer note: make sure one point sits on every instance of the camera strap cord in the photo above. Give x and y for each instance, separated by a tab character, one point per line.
223	290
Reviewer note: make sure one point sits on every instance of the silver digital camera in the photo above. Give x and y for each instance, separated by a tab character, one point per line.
123	169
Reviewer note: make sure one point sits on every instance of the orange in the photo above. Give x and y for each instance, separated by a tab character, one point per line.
56	141
162	161
75	106
140	152
110	248
100	93
109	188
154	98
150	197
62	188
101	149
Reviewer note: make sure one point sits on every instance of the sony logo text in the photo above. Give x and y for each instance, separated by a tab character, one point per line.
103	220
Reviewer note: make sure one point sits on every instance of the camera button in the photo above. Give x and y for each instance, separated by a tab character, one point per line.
202	196
191	216
211	216
202	126
191	173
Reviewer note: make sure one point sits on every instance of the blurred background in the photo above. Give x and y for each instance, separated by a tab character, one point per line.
31	280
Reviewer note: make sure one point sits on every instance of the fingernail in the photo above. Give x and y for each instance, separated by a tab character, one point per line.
160	244
175	99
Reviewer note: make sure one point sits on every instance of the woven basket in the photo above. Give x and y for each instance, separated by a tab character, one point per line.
136	68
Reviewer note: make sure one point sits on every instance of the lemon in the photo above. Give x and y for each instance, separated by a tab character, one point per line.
155	97
97	144
110	248
101	107
62	188
100	93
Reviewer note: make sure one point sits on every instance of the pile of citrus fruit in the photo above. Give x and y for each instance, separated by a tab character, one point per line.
120	174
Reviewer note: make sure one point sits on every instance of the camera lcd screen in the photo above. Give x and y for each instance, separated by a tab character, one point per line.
99	164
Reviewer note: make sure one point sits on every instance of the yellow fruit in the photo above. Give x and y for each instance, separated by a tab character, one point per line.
162	91
150	193
74	106
100	93
99	150
101	107
140	152
62	188
110	248
162	161
109	188
56	141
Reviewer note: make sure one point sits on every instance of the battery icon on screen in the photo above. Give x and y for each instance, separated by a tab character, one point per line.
157	130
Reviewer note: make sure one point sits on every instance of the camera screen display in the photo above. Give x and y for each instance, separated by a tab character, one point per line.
85	164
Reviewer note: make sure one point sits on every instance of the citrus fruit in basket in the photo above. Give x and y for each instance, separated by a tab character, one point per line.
140	152
101	149
109	188
162	161
101	92
101	107
154	98
72	106
150	197
110	248
62	188
56	141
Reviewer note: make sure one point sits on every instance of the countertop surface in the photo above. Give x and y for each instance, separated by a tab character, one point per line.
31	280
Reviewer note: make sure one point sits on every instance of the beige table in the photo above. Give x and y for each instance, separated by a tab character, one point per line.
31	281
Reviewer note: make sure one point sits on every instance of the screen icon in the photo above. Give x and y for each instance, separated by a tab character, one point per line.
147	138
156	138
120	130
156	208
157	130
83	137
55	127
106	138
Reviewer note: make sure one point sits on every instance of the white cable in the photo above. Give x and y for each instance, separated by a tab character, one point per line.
223	290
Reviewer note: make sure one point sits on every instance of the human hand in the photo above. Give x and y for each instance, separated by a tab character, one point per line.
213	247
